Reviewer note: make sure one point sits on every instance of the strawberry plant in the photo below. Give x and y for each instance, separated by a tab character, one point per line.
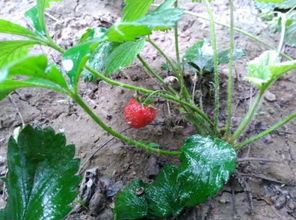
207	158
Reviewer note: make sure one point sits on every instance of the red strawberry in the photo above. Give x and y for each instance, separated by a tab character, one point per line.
138	115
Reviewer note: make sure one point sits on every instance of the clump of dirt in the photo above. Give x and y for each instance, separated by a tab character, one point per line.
260	189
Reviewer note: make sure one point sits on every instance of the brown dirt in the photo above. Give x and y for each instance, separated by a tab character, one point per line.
259	190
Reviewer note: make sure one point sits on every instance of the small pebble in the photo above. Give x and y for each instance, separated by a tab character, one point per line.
280	202
270	96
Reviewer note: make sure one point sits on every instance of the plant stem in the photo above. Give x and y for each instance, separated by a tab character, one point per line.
156	75
176	70
177	39
215	60
247	34
130	141
149	69
230	71
267	131
247	119
283	32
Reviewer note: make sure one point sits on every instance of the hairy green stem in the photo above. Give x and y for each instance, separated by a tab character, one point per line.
267	131
176	70
130	141
248	118
230	72
215	60
283	32
177	39
156	75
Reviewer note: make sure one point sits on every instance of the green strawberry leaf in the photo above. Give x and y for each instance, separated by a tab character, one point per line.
75	59
36	17
35	72
290	35
200	56
122	56
11	28
163	196
161	18
41	179
267	68
131	202
135	9
14	50
207	164
97	60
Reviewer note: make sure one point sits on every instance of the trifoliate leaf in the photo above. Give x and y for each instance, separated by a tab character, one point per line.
42	177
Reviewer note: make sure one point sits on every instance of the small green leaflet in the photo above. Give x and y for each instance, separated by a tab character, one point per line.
290	36
36	17
14	50
42	179
11	28
266	68
35	72
75	59
207	164
123	55
161	18
135	9
200	56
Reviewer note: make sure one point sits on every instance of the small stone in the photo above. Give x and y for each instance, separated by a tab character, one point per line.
280	202
291	204
270	96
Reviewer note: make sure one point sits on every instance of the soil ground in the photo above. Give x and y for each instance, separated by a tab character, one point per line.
259	190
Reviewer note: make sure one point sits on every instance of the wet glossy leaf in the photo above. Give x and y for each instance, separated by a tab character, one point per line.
131	202
163	196
14	50
200	56
207	164
41	180
11	28
123	55
161	18
135	9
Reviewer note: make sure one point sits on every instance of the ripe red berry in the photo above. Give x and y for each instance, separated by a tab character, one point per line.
138	115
